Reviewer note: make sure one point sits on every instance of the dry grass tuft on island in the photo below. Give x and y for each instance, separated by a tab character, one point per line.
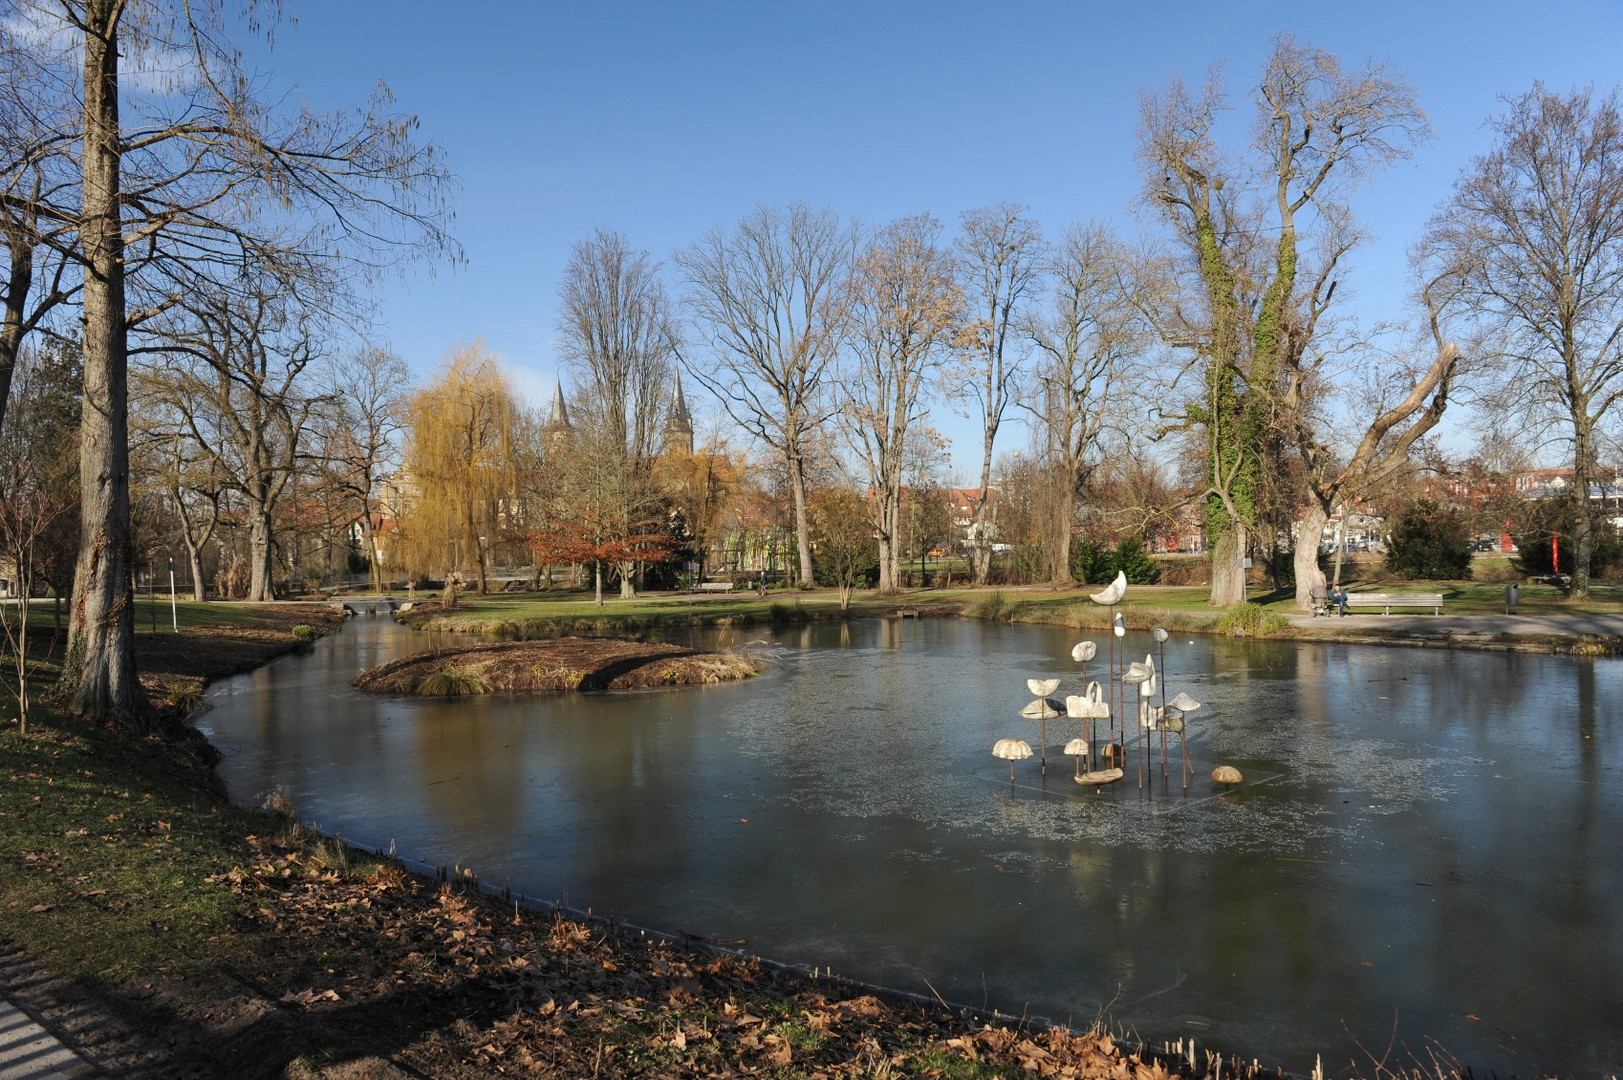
558	664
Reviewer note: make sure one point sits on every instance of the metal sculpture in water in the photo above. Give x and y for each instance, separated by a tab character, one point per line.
1078	749
1090	705
1109	597
1094	704
1160	636
1138	676
1043	709
1182	706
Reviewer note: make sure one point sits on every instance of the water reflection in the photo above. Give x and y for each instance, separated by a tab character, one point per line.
1421	833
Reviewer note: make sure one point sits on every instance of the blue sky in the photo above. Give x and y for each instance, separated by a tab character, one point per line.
663	119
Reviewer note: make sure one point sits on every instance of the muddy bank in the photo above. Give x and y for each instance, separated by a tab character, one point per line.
556	664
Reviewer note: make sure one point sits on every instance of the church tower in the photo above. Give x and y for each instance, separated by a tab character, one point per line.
679	428
557	431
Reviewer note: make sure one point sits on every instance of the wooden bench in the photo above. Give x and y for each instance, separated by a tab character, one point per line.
1387	601
713	586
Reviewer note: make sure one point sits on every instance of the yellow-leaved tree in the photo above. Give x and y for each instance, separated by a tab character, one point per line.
461	465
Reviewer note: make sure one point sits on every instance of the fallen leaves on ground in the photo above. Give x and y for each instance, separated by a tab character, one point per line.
543	995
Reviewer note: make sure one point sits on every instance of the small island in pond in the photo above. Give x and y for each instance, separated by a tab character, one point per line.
569	663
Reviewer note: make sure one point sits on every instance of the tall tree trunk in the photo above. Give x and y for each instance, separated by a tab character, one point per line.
262	572
194	559
889	553
980	555
99	667
1228	576
1341	546
797	485
21	280
1583	525
628	586
597	577
1060	561
1308	574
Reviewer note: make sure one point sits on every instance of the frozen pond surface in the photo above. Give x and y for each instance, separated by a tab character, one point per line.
1425	837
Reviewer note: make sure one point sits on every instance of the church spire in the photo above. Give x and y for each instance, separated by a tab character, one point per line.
560	414
679	428
557	430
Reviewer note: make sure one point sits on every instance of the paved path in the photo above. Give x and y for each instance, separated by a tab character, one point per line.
29	1052
1573	625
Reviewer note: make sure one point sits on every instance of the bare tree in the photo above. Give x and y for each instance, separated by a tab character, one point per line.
235	363
1087	334
38	493
618	338
1537	225
208	170
766	297
359	434
1383	452
1000	261
1264	235
37	192
162	446
615	327
605	515
904	304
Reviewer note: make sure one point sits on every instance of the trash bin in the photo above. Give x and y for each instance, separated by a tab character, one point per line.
1513	596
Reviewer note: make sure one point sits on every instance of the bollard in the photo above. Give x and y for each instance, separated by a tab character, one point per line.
1513	596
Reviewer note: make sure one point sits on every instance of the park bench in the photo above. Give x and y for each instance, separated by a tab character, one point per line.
713	586
1387	601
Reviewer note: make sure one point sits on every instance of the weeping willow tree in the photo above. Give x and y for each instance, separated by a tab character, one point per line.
461	460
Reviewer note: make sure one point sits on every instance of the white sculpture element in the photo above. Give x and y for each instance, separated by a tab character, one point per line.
1084	651
1043	709
1119	628
1011	750
1113	592
1088	706
1042	687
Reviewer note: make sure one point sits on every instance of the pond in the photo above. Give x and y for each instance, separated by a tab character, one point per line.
1426	841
